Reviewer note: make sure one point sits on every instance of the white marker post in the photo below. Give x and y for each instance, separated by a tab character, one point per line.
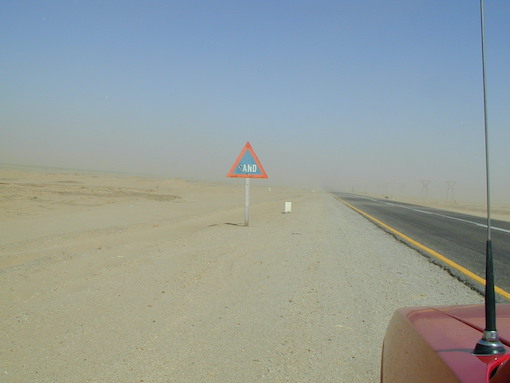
247	166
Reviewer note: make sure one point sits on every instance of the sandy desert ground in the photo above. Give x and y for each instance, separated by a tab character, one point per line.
110	278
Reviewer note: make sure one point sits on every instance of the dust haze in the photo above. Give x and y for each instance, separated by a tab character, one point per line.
369	97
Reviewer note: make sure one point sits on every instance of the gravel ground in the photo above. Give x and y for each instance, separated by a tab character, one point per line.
196	297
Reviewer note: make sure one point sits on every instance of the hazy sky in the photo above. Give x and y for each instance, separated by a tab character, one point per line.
375	95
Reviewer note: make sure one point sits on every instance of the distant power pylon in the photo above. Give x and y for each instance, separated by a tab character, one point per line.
425	189
450	191
402	189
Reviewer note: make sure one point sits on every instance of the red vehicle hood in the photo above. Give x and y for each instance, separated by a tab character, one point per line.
453	332
474	316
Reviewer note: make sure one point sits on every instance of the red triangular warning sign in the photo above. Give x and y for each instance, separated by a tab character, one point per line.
247	165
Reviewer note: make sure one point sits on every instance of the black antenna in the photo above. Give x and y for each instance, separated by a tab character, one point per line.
490	343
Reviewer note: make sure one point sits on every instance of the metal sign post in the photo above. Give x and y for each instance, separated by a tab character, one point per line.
247	166
247	202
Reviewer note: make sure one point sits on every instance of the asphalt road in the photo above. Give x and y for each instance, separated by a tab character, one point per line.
459	237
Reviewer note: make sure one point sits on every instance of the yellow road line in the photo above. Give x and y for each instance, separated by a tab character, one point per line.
428	250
